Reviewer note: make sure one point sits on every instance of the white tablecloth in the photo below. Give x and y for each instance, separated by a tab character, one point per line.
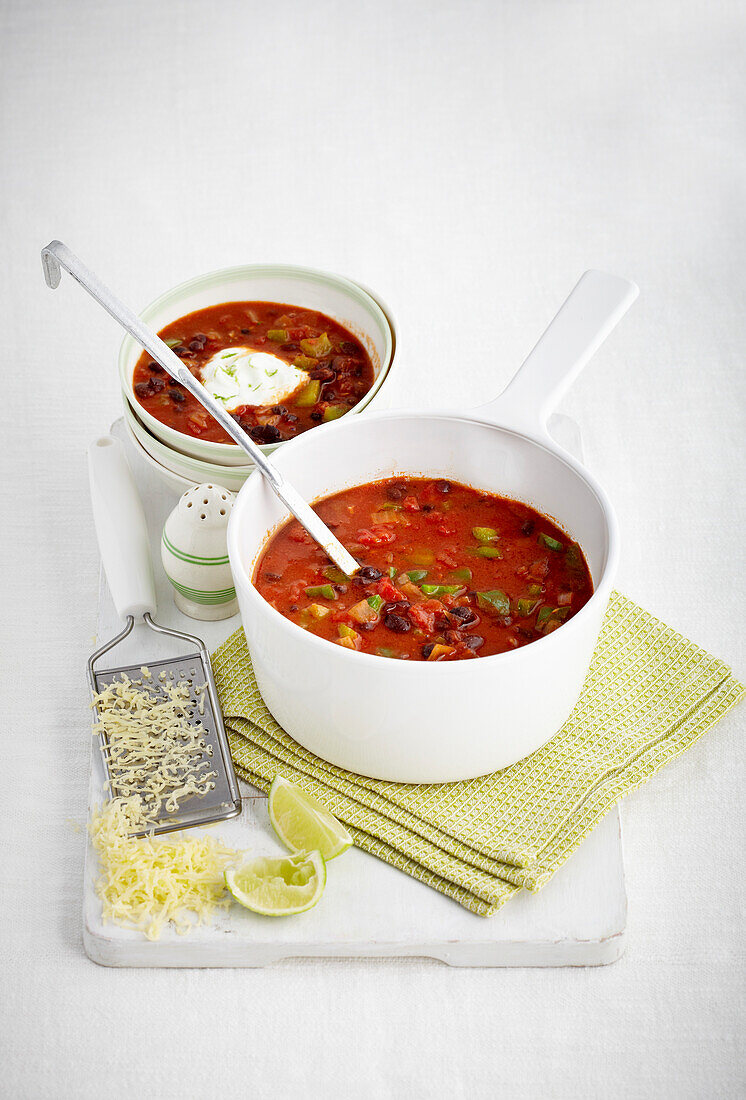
468	161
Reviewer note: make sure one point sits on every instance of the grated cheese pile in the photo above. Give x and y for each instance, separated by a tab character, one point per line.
155	758
146	882
150	746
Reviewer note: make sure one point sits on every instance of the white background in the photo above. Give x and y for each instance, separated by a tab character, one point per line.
468	161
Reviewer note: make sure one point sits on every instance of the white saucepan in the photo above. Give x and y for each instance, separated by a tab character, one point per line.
414	721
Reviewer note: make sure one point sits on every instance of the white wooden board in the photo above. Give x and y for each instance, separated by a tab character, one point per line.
369	909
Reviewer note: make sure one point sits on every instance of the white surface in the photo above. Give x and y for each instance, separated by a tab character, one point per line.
369	909
468	161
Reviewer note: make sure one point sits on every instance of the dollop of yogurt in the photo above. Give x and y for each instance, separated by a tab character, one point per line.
240	376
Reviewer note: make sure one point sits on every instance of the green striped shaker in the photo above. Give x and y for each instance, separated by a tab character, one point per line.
194	553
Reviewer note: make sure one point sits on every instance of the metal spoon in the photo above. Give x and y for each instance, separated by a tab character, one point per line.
57	255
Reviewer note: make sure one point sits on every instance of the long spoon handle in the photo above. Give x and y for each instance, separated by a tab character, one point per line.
57	255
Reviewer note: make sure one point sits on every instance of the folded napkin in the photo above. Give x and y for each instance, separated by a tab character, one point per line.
648	696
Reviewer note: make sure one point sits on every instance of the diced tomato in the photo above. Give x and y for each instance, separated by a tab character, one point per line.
539	570
375	536
422	618
389	591
447	559
411	504
445	529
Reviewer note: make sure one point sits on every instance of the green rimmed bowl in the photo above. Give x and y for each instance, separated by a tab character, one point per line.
343	300
187	470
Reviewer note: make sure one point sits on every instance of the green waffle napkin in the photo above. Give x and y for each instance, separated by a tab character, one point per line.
648	696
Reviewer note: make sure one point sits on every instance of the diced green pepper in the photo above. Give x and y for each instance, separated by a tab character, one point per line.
573	558
321	591
416	575
346	631
390	506
318	611
441	589
422	557
487	552
535	589
332	573
305	362
317	346
463	574
391	571
496	600
384	651
549	542
546	614
484	534
309	395
278	335
525	607
172	342
376	602
333	412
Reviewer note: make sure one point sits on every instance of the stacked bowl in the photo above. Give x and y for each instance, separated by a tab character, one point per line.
184	460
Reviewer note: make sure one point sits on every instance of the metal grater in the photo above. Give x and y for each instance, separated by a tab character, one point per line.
224	800
125	551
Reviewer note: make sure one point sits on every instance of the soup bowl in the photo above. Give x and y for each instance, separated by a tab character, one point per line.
416	721
350	304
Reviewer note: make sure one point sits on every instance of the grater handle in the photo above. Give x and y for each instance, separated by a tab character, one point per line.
121	529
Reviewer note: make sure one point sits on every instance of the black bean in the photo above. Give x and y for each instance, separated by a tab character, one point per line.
265	433
290	347
291	418
395	607
316	415
427	649
202	338
155	368
323	374
273	576
156	385
397	623
195	345
426	508
369	573
181	351
348	348
358	372
466	615
365	626
293	607
473	641
245	331
527	528
443	486
142	389
442	624
279	410
177	396
340	588
396	490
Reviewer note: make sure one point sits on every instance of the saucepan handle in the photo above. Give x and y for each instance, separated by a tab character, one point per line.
592	309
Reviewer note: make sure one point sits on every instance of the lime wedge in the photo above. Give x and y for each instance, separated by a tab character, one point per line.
279	887
302	823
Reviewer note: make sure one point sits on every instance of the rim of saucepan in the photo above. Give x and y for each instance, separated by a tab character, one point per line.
214	278
601	591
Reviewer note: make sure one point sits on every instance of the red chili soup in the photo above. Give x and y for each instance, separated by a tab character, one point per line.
448	572
278	369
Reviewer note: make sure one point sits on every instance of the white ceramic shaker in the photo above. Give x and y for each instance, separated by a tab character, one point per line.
195	555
